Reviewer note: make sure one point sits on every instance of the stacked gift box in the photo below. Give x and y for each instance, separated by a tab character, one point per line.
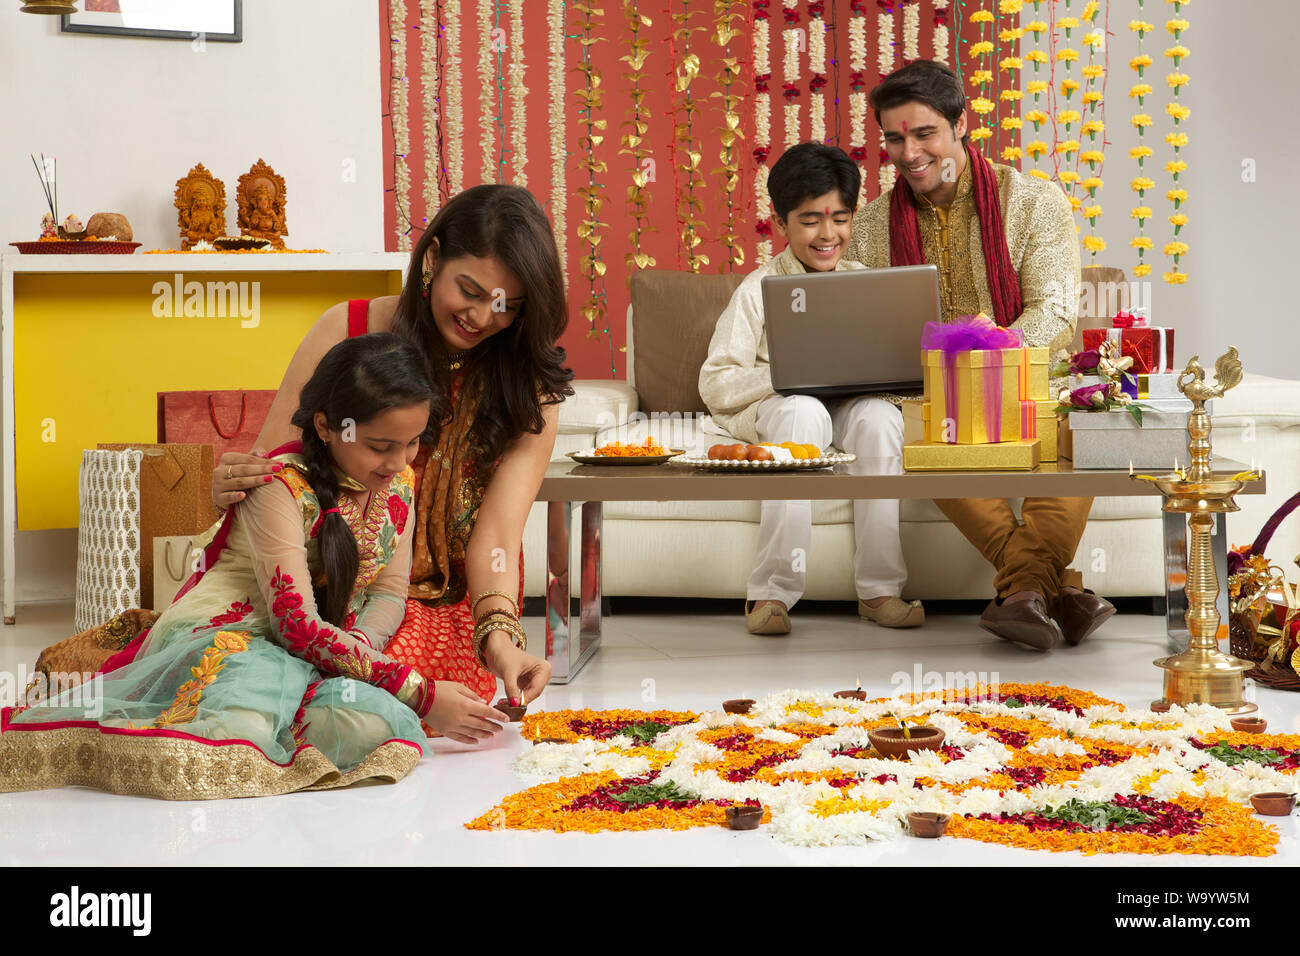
984	408
1114	439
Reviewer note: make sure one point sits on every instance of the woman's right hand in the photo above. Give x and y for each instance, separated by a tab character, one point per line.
244	471
458	713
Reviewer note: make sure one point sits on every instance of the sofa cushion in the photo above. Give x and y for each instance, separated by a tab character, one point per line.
673	318
596	403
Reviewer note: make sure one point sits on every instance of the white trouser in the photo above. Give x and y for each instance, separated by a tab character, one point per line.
870	428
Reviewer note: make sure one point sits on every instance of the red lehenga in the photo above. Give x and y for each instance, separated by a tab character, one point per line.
435	635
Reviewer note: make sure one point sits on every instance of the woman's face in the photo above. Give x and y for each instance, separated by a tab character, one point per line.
374	451
471	299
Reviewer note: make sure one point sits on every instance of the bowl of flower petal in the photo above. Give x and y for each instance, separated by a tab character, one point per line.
900	741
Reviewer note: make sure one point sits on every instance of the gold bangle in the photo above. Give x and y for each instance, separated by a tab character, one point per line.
487	594
518	636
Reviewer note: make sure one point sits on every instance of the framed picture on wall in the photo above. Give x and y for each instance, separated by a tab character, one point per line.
218	20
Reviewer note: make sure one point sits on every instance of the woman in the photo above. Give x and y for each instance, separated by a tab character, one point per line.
267	673
484	303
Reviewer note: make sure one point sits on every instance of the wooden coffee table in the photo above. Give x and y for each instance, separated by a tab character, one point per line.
592	485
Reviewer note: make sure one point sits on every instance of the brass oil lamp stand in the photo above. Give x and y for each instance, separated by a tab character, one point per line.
1203	674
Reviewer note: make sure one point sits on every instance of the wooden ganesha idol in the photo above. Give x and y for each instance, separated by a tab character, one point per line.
261	201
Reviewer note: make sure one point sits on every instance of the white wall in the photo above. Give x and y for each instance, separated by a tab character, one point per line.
1242	257
128	117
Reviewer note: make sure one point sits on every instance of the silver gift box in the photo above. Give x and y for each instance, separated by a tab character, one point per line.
1113	440
1159	387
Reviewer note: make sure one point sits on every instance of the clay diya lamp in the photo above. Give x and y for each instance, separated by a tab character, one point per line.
927	825
1249	725
892	742
514	712
744	818
1273	804
738	706
858	694
549	740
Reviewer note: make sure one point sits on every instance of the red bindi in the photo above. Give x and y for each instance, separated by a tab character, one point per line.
828	212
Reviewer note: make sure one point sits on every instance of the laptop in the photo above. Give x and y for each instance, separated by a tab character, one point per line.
850	332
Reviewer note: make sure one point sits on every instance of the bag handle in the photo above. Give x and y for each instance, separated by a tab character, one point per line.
243	410
167	562
1271	525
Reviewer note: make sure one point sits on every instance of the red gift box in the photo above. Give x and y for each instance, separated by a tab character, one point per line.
1150	347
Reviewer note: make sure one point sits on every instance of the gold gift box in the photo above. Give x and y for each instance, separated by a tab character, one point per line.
999	456
974	372
916	419
1037	383
916	424
1049	428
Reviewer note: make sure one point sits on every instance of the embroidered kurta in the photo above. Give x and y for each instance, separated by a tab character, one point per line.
1041	240
241	688
737	374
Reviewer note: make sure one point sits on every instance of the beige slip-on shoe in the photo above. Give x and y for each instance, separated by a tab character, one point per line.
770	619
895	612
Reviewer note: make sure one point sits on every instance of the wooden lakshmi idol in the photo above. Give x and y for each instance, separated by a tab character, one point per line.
261	199
201	207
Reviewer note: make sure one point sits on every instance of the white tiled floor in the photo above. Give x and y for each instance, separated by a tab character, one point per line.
694	661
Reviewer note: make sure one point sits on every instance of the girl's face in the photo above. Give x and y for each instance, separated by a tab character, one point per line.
471	299
372	452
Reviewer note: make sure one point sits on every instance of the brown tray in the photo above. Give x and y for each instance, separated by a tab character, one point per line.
75	247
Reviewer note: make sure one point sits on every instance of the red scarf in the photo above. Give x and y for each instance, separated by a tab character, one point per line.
905	237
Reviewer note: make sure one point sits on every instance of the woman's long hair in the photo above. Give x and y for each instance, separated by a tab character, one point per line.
521	368
359	378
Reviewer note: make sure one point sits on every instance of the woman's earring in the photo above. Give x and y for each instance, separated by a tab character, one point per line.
426	280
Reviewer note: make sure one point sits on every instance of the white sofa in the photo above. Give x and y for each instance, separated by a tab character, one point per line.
706	549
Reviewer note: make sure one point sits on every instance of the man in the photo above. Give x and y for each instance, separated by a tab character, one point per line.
1006	245
814	190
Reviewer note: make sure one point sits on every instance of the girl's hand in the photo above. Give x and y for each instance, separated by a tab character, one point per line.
247	471
459	714
518	670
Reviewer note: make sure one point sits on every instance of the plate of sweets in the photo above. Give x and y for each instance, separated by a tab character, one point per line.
649	452
765	456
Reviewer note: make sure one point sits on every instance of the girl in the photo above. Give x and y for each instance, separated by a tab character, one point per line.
267	673
484	303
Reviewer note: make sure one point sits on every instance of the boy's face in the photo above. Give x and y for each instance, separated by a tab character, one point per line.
818	231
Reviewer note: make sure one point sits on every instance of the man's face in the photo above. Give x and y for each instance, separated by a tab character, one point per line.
924	148
818	231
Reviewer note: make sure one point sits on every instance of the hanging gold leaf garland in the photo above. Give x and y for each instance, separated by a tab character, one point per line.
817	67
1037	88
589	230
939	38
1010	34
1093	126
1141	121
518	114
401	124
690	205
430	35
982	78
790	87
1177	139
558	141
858	91
729	134
760	30
633	142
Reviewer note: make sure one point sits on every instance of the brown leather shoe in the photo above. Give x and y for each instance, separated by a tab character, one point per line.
1023	622
1080	614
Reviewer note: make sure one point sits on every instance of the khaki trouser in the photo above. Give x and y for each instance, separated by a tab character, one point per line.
1033	556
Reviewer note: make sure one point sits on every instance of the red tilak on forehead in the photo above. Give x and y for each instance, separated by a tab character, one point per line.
904	126
828	212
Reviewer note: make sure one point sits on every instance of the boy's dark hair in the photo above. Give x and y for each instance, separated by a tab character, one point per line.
922	81
810	170
359	378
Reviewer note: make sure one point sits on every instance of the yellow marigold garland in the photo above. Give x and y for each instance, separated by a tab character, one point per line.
1176	80
1140	121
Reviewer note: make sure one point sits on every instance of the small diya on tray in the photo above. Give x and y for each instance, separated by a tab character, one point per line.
744	818
900	741
741	705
